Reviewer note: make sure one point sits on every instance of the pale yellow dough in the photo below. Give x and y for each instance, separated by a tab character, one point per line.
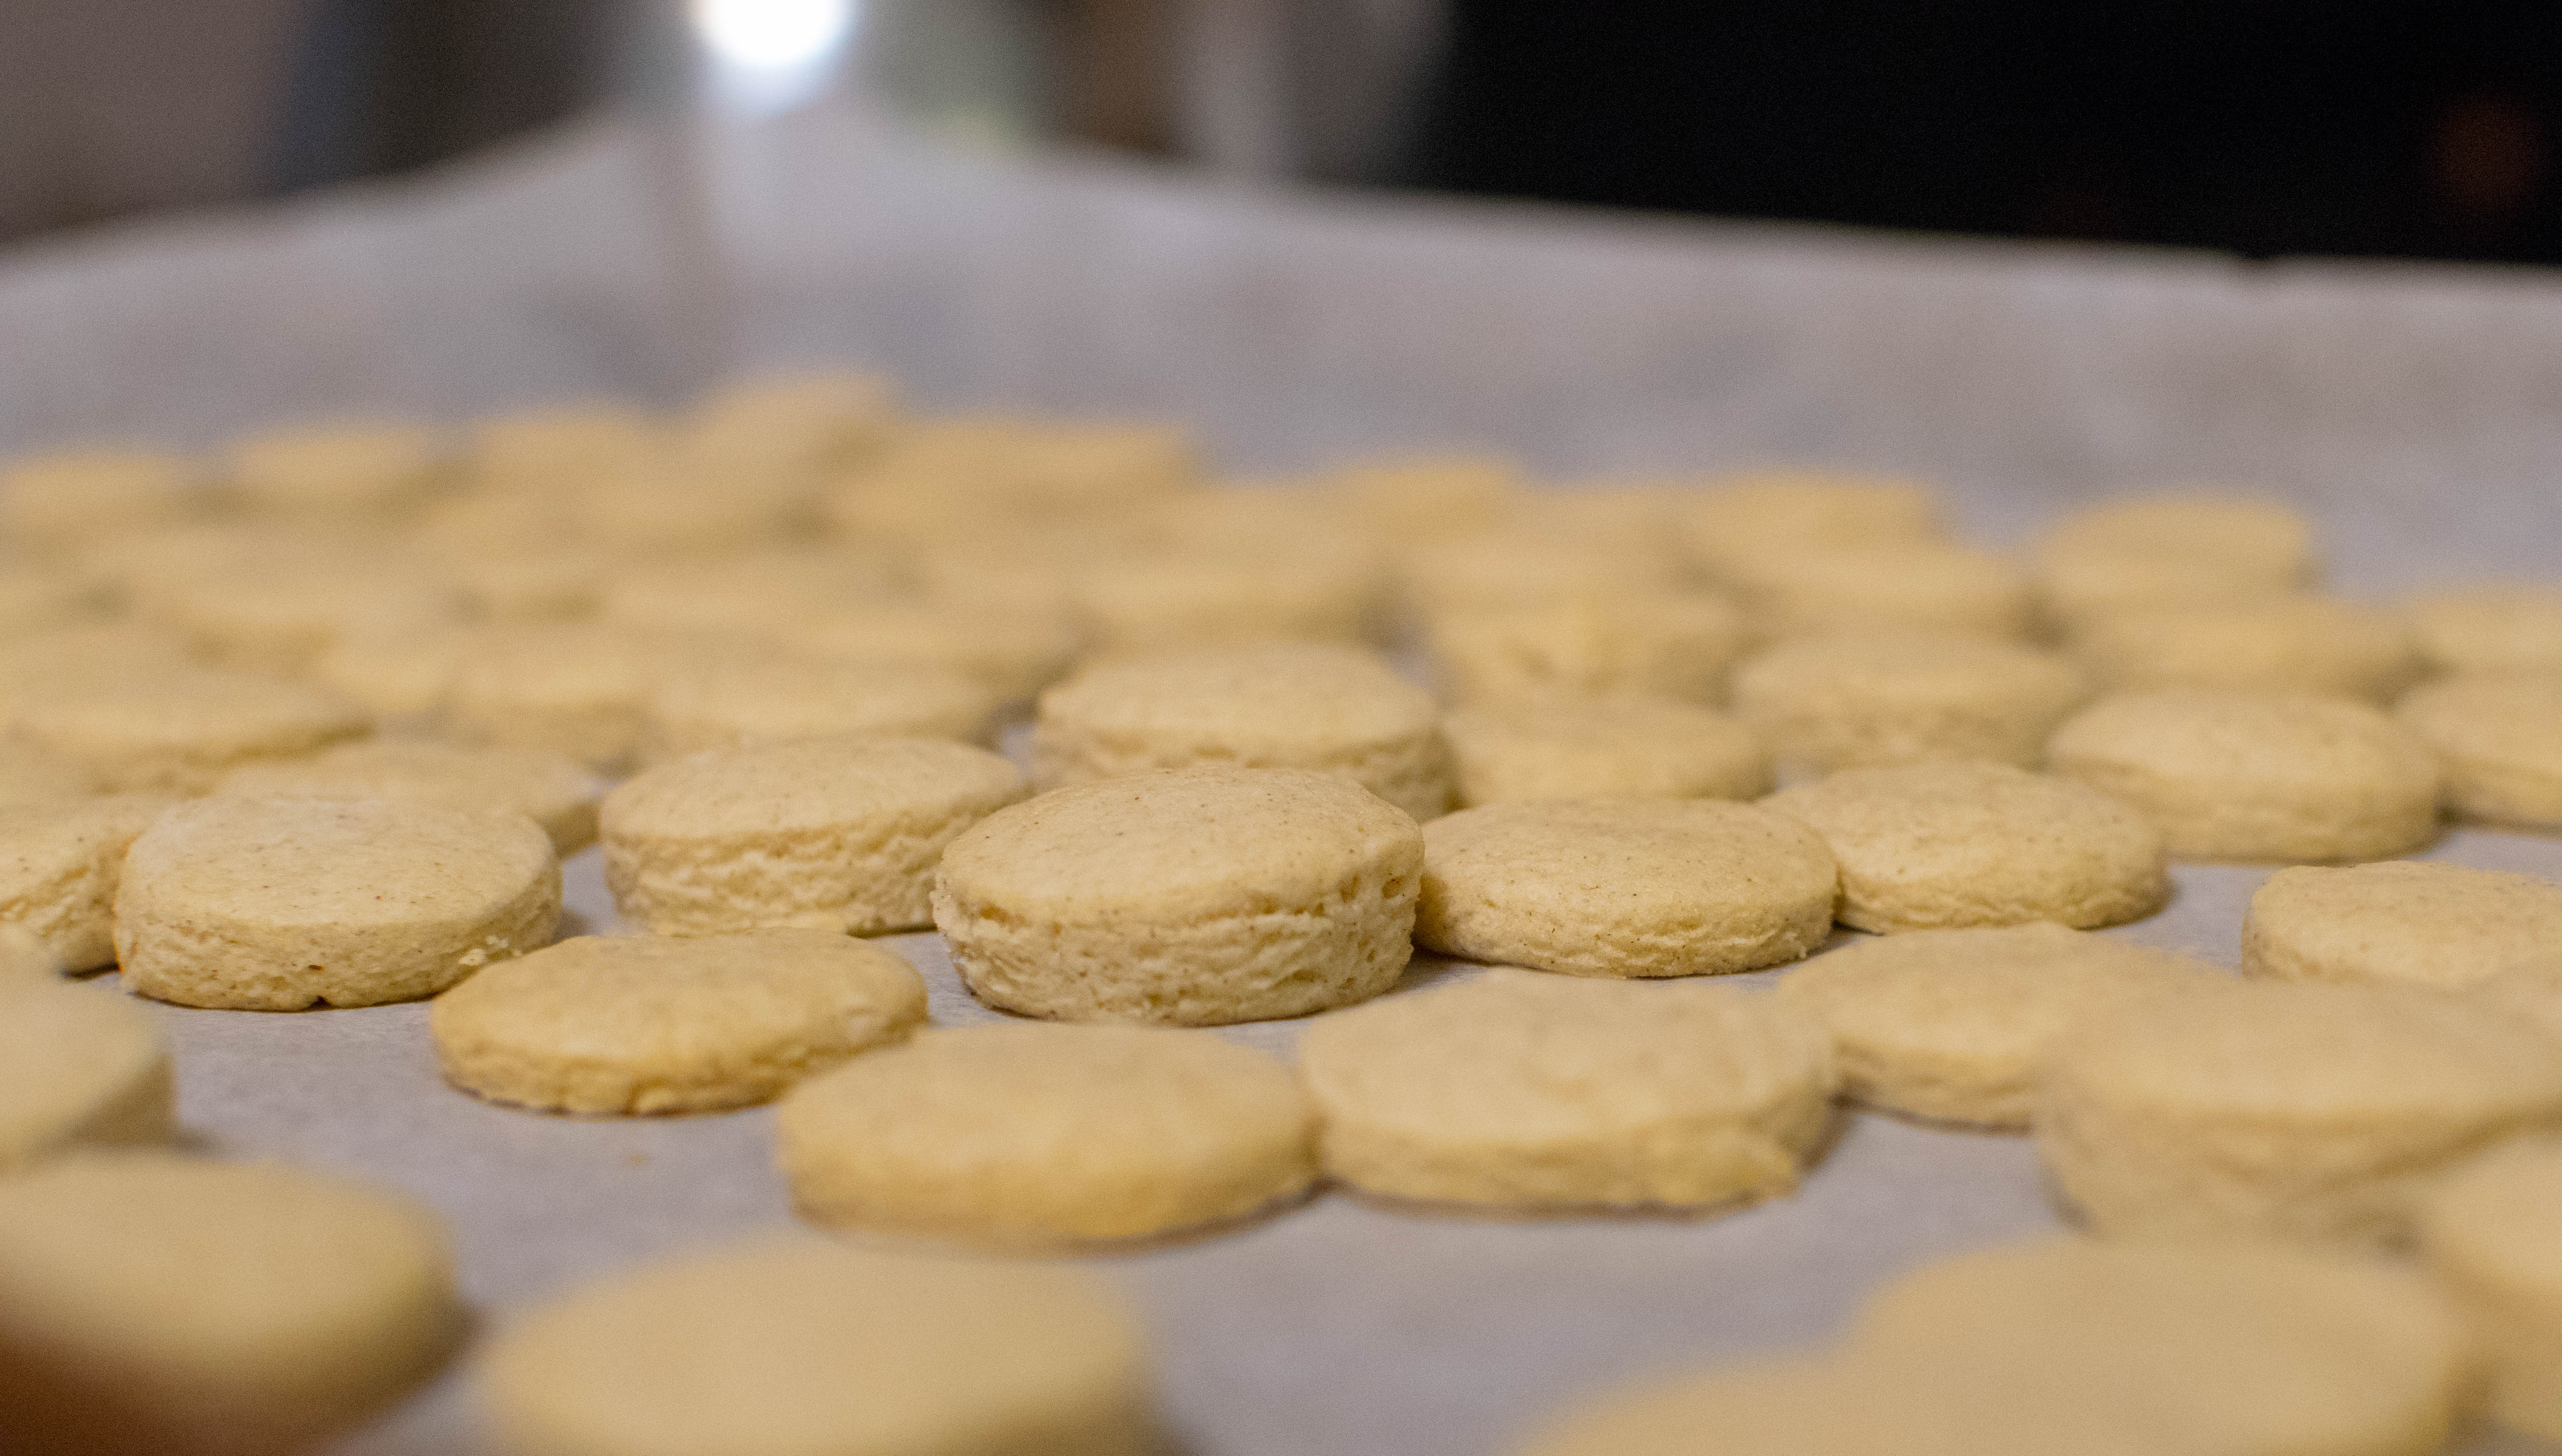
1936	847
2498	738
281	611
1427	498
632	1023
1036	1136
1891	586
1527	1091
1747	520
79	1066
2490	1234
579	690
559	448
31	773
1624	887
835	834
2297	643
1603	748
350	469
1804	1407
160	1304
2437	925
1878	699
279	904
798	1346
179	731
1516	568
766	589
2171	550
544	787
2499	628
1151	603
734	701
1015	652
69	500
60	866
1193	896
1675	644
38	599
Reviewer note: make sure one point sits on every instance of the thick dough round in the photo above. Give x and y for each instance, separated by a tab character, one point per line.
180	731
2500	740
279	904
1804	1407
69	500
1527	1091
558	447
1891	586
544	787
2490	1234
353	469
640	1023
2438	925
575	688
2173	550
1639	888
1953	1025
2245	777
2315	1112
35	600
798	1346
733	701
1032	1136
1195	896
1744	520
1879	699
278	611
151	1303
2308	645
1015	652
1603	748
31	773
834	833
59	865
1936	847
1521	568
766	589
79	1065
2501	627
1294	705
1152	603
1675	644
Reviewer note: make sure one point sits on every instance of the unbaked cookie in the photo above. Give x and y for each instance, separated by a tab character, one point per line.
396	669
59	865
735	701
1675	644
2488	1233
1804	1407
1017	1134
1747	518
636	1024
179	731
560	447
347	469
1195	896
2438	925
60	502
2171	550
835	834
544	787
279	609
1953	1025
1638	887
1527	1091
1273	594
1878	699
31	773
1515	569
1016	652
766	590
2295	643
2499	737
1603	748
579	690
279	904
1893	586
1936	847
79	1066
1427	497
2502	628
2245	777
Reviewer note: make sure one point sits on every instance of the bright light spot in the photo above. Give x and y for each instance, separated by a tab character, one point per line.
773	35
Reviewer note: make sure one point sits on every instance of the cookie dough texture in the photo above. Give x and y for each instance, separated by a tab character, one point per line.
1035	1135
2171	550
2488	1233
2298	643
60	866
2499	628
180	731
2399	920
578	689
636	1024
1936	846
1529	1091
1953	1025
2309	1112
279	904
1151	603
1603	748
79	1066
2249	776
154	1303
727	701
1193	896
349	469
1906	586
1878	699
1624	887
544	787
1299	705
31	773
1739	522
1675	644
802	1347
2499	739
1806	1406
69	500
834	833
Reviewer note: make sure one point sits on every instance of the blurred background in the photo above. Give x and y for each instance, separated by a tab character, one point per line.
2257	126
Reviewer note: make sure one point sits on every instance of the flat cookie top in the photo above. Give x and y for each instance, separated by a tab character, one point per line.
2493	715
1277	692
40	843
2401	921
528	780
337	863
141	709
1905	666
1647	736
2254	743
2258	538
777	695
1925	822
1687	862
814	782
2294	643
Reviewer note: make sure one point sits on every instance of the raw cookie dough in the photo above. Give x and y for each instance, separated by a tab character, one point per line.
1734	525
1015	652
1936	846
180	731
562	447
578	689
1876	699
834	833
2499	737
544	787
638	1023
348	469
1516	569
1638	887
1529	1091
67	500
2311	1112
2490	1234
2436	925
160	1304
2245	777
31	773
1152	603
733	701
79	1065
2301	644
1893	586
1599	748
2170	551
59	865
803	1348
1195	896
1032	1136
1953	1025
1676	645
2504	628
1295	705
279	904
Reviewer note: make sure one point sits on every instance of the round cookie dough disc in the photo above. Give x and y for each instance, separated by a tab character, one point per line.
2172	550
1616	747
2306	645
31	773
1733	524
155	1303
59	865
1290	705
1195	896
544	787
1936	847
2297	1110
1013	652
578	689
835	834
1638	887
79	1066
803	1348
73	499
1897	585
2500	739
1529	1091
2506	627
634	1023
1953	1025
279	904
1782	1407
2438	925
1017	1134
349	469
1879	699
1675	644
179	732
1199	600
2245	777
727	702
2488	1233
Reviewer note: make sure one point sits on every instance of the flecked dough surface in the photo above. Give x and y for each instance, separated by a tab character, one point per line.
79	1065
2438	925
1876	699
803	1348
547	788
279	904
1624	887
1603	748
2488	1233
642	1023
2498	738
60	866
1193	896
1675	644
2295	643
1032	1136
1527	1091
836	833
2249	776
1936	847
180	731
